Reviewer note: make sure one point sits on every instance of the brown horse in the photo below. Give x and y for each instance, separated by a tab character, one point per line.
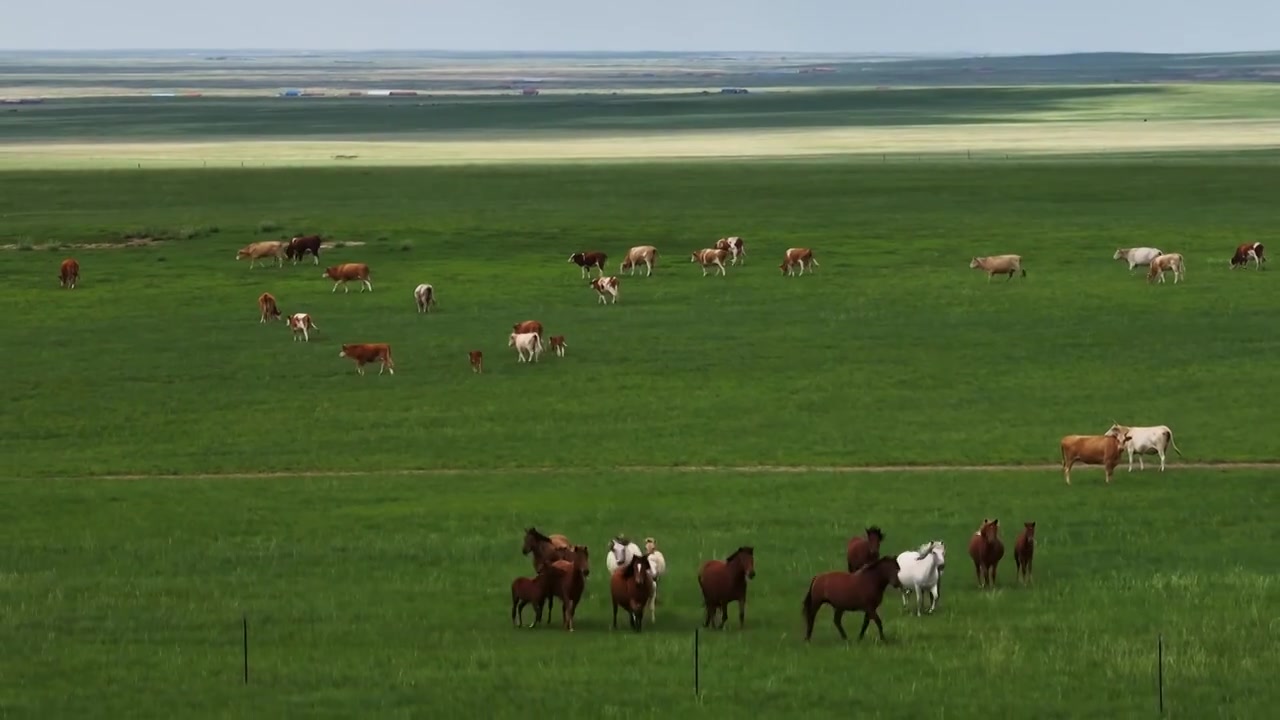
567	581
529	591
851	592
1024	550
631	587
725	581
986	550
864	549
544	548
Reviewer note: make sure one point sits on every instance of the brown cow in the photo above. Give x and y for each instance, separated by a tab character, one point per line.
646	254
557	344
68	273
477	361
710	258
301	245
301	323
267	249
1093	450
527	326
588	260
267	307
1246	252
986	550
364	353
1168	261
801	257
348	271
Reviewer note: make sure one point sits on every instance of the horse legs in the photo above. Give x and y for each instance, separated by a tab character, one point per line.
977	569
839	626
905	593
537	617
873	615
710	611
615	616
516	607
742	613
933	592
919	601
724	615
638	618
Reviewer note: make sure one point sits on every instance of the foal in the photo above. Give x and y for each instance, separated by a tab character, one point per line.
986	550
529	591
632	586
856	591
725	581
1023	550
863	550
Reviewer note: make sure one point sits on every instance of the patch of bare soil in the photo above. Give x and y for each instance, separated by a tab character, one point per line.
126	243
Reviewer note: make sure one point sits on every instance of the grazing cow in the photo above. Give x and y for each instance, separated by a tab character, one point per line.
1155	440
266	249
863	549
710	257
477	361
301	323
267	307
529	591
557	344
606	286
999	265
646	254
921	571
797	257
527	326
526	343
657	564
68	273
364	353
735	249
1246	252
986	550
1168	261
425	296
1024	550
588	260
1093	450
631	587
1137	256
301	245
345	272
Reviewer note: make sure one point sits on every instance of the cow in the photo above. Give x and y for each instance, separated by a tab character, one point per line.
267	307
425	296
1246	252
735	248
999	265
588	260
797	256
529	343
477	361
340	274
301	245
266	249
646	254
301	323
1092	450
710	257
1140	256
1168	261
1155	440
527	326
557	344
68	273
364	353
605	287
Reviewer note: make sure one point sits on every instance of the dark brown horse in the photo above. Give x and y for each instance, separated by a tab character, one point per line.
631	587
864	549
529	591
725	581
546	549
567	581
1024	550
851	592
986	550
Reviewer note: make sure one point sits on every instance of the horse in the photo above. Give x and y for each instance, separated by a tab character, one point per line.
863	550
725	581
862	590
546	549
631	586
921	570
567	581
986	550
657	564
529	591
621	550
1024	548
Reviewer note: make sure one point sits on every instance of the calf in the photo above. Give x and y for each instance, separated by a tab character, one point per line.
301	245
1141	256
1092	450
1024	550
710	257
527	326
341	274
1246	252
794	257
526	344
301	323
266	249
999	265
646	254
68	273
1168	261
605	287
425	296
588	260
364	353
477	361
267	307
557	344
1154	440
735	249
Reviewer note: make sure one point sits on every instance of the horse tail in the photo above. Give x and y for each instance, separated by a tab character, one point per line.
808	597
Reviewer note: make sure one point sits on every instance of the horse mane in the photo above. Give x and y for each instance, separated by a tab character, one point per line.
744	549
537	535
875	530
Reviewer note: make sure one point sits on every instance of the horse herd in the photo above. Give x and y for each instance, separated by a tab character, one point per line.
561	570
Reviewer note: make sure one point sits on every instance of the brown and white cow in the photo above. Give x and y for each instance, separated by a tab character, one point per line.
267	308
737	251
994	265
425	296
605	287
265	249
527	326
301	245
557	344
588	260
1168	261
301	323
365	353
710	258
646	254
68	273
345	272
1104	450
797	257
1246	252
477	361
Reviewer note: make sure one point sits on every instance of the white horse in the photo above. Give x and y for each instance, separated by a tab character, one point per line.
657	568
621	551
921	571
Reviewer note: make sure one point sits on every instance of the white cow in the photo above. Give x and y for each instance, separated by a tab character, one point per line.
658	568
1140	256
425	296
921	571
1155	440
526	343
301	323
735	248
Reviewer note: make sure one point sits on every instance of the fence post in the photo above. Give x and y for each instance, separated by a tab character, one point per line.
245	621
1160	669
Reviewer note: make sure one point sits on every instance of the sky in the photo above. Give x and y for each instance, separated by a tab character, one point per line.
838	26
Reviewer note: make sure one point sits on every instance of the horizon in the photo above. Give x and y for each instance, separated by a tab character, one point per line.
695	51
